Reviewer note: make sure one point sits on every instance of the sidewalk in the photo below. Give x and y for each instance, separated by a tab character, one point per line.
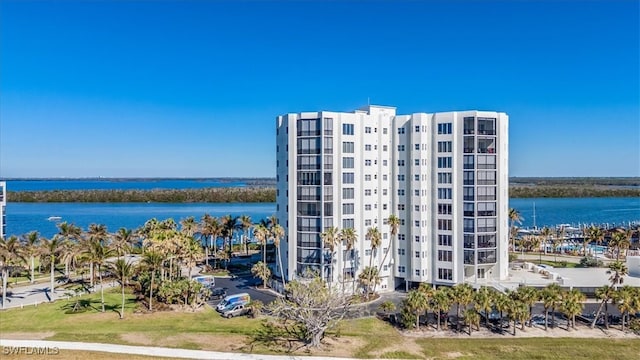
35	345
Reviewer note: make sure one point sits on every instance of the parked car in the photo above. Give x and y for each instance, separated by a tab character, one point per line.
235	310
231	300
218	293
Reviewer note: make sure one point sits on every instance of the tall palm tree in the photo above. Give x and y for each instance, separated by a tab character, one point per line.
618	242
71	235
229	225
546	234
514	218
603	293
627	300
471	318
373	235
123	271
247	224
561	231
96	233
31	249
261	233
503	304
122	241
153	261
442	303
349	237
10	256
394	225
483	300
572	303
51	249
189	226
330	238
417	303
529	296
551	299
277	233
98	252
462	295
618	270
596	234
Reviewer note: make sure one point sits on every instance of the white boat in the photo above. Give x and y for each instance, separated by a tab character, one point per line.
54	218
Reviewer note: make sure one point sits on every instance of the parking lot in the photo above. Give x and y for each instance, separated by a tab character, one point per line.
244	284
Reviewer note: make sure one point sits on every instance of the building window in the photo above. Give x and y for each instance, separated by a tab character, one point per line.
401	207
367	192
367	148
367	163
347	223
445	255
348	178
401	269
444	128
347	162
384	206
444	146
347	129
445	274
417	254
400	130
367	222
444	224
347	209
444	178
416	146
400	177
416	162
401	252
444	193
445	240
400	162
444	162
348	193
347	147
401	192
400	147
401	237
367	207
384	177
417	128
444	209
468	162
367	178
416	192
384	162
384	147
367	130
417	223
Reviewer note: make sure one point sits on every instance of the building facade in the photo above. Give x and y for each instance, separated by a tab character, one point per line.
3	213
444	175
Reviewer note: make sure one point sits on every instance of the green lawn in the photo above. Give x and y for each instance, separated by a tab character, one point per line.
206	330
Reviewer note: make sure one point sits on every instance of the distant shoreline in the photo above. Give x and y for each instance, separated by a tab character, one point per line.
257	194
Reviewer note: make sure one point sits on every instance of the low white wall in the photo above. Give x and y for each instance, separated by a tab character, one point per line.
633	264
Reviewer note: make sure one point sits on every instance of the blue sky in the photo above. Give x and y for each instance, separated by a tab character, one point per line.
191	89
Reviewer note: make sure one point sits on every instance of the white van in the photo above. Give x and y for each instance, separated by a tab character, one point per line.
232	300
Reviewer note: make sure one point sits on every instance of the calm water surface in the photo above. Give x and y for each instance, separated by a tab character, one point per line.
25	217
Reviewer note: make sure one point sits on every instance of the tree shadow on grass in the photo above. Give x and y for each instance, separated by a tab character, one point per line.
278	337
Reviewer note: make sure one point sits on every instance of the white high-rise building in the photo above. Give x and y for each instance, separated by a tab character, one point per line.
3	214
444	175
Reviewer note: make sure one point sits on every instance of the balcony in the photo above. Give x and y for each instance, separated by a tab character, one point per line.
309	132
486	132
490	259
486	213
486	245
468	150
486	229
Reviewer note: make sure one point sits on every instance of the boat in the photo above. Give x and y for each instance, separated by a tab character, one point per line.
54	218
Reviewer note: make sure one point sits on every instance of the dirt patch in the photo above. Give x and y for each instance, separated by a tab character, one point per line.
407	346
453	355
28	336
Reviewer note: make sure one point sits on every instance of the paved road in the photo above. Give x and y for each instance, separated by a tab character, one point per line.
25	347
244	284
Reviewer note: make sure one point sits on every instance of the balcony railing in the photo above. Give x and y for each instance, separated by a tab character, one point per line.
485	245
486	213
487	229
468	150
309	132
487	260
486	132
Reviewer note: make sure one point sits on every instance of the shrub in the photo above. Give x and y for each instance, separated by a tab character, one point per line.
513	257
589	261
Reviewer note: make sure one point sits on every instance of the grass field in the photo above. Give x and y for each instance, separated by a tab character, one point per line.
206	330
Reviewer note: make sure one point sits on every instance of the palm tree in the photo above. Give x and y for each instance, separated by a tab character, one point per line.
546	234
560	236
153	261
189	226
330	238
277	233
596	234
51	248
373	235
462	295
502	303
210	230
261	233
394	224
31	243
603	293
123	271
618	270
261	271
482	300
10	256
247	224
618	241
417	303
519	312
550	298
529	296
442	303
350	237
627	299
572	305
98	252
514	218
70	234
192	253
122	241
369	278
96	233
471	317
229	225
